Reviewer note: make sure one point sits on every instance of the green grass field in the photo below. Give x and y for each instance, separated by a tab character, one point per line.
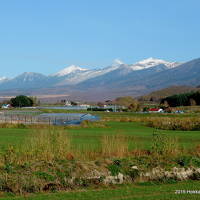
147	191
123	114
141	136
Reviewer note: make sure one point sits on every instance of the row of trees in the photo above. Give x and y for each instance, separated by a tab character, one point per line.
186	99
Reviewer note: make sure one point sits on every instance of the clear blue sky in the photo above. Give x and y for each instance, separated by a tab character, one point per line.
48	35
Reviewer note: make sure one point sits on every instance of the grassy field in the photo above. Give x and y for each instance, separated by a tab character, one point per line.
146	191
123	114
140	135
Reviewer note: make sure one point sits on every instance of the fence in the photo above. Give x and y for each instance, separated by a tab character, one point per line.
51	119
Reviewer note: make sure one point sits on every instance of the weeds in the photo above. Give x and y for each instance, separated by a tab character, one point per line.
114	146
49	160
164	145
48	145
163	122
185	124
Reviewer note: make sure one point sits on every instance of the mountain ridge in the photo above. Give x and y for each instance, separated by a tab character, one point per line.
118	79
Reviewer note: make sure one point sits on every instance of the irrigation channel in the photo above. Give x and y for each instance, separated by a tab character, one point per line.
36	117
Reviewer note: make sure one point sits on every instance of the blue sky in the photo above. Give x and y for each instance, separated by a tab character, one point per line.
48	35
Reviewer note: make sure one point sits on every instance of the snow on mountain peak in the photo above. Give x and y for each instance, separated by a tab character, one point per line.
69	70
151	62
3	79
117	62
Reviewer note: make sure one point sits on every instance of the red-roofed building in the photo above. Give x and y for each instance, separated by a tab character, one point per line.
155	110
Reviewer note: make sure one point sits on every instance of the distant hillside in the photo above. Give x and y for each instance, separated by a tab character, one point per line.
169	91
184	74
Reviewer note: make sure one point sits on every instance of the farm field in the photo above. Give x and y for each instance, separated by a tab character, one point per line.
146	191
141	136
52	158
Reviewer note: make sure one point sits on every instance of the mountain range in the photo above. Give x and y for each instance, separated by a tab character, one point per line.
118	79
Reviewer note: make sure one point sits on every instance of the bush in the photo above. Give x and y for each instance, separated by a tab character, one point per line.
164	145
184	161
114	169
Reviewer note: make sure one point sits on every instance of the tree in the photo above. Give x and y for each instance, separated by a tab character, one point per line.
35	100
21	101
185	99
134	106
128	102
192	102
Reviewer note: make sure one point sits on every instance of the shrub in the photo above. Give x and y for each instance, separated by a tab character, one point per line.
164	145
114	169
184	161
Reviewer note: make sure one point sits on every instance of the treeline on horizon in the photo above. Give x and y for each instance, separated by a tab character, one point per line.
185	99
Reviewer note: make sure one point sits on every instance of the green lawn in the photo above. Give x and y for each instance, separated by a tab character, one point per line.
125	192
90	137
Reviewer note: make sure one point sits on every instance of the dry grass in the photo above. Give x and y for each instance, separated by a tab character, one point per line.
114	146
47	160
48	144
42	145
186	124
197	150
165	123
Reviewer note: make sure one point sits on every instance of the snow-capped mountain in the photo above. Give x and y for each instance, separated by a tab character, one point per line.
120	69
69	70
73	75
117	62
2	79
115	80
152	62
